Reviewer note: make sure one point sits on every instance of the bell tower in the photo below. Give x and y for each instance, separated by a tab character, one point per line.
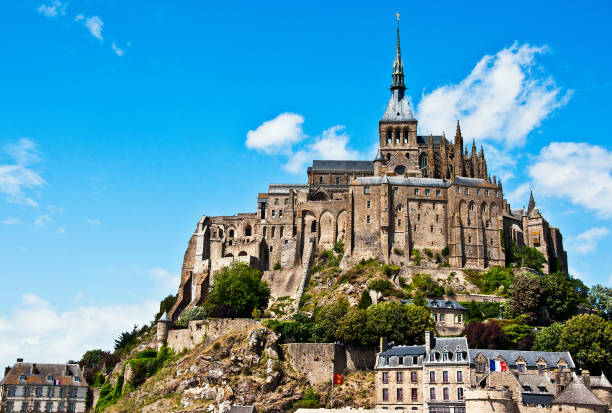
397	129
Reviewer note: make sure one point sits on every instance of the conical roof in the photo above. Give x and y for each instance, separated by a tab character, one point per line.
578	394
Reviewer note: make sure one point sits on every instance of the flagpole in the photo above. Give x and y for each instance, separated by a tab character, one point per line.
331	399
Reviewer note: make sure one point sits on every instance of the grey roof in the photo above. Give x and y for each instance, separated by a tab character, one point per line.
601	381
398	108
342	165
285	188
242	409
404	351
536	382
37	373
450	343
537	399
164	317
379	156
403	181
578	394
531	357
465	181
426	138
444	304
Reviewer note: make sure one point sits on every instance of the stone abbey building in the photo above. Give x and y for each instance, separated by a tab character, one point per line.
419	192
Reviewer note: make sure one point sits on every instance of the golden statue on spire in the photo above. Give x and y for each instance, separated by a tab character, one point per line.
397	14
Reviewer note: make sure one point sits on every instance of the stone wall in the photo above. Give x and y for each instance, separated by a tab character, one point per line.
208	330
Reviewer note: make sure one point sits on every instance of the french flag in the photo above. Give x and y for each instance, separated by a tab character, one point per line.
495	365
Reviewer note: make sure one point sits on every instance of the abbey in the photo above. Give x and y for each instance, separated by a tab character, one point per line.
419	192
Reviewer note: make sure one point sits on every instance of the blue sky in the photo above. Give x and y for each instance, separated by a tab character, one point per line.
122	124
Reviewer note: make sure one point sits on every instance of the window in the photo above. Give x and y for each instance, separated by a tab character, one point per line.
282	229
480	367
561	368
540	369
286	201
413	376
60	407
435	316
400	395
49	391
415	360
73	393
458	191
24	407
416	191
395	190
271	248
337	181
48	406
39	391
280	213
427	192
9	407
458	318
62	392
432	376
467	191
368	219
445	393
264	231
71	406
400	361
11	391
444	357
432	357
386	361
368	204
399	207
26	391
469	237
414	227
441	317
414	394
385	377
437	192
399	377
418	217
276	201
431	228
432	393
520	367
542	389
399	222
400	170
385	394
366	189
478	191
273	214
496	195
50	378
486	192
320	179
459	393
36	406
273	232
459	356
445	373
459	373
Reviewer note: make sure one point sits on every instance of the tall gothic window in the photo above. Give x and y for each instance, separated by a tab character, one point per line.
423	164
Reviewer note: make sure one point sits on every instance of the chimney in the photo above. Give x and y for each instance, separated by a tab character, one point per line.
383	344
19	360
428	340
6	370
586	378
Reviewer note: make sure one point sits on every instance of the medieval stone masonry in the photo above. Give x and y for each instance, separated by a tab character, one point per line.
420	192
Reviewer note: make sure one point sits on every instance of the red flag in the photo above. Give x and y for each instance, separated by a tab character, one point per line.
338	378
503	365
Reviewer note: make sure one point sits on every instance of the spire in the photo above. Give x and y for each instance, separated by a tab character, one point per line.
531	205
398	66
474	150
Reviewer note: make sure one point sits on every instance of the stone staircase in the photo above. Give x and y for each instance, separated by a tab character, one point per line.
305	270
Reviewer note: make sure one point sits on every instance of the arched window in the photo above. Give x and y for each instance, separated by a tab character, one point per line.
388	135
399	207
272	233
313	226
407	155
264	233
397	136
231	233
406	135
423	164
247	231
282	231
220	233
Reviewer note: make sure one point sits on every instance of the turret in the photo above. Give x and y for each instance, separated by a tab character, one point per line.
163	326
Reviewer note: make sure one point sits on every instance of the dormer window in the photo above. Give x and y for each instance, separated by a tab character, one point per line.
521	367
445	356
400	361
385	361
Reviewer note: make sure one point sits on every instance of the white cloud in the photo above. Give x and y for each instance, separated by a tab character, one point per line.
276	135
518	196
165	278
61	231
36	331
587	241
18	177
117	50
42	221
94	25
79	17
333	144
11	221
578	171
52	9
94	222
503	99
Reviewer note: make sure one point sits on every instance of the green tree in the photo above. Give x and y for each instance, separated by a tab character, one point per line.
403	324
600	297
528	257
526	295
588	337
352	327
478	312
239	287
548	339
365	300
166	305
559	296
327	318
425	284
517	330
192	314
126	338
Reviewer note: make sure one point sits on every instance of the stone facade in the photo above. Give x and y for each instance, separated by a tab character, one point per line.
420	192
36	387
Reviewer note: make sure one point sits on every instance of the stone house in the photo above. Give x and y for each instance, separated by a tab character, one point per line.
399	378
37	387
449	316
419	192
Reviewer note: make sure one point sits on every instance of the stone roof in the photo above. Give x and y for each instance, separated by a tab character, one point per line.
578	394
398	109
601	381
403	181
536	383
531	357
37	374
404	351
285	188
330	165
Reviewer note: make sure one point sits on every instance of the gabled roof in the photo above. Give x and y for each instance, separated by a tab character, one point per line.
444	304
450	343
37	373
531	357
242	409
404	351
330	165
578	394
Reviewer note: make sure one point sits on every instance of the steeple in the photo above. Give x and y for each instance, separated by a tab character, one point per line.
531	205
398	66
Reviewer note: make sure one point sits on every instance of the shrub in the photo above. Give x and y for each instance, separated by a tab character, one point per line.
365	301
216	346
390	270
478	312
428	252
385	287
416	257
310	400
330	258
126	339
445	251
277	265
194	313
437	258
398	252
485	335
339	247
326	320
425	284
166	305
226	311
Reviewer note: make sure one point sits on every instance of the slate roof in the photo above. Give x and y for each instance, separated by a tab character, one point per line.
398	109
404	351
531	357
450	343
37	373
465	181
535	399
425	139
578	394
285	188
444	304
403	181
536	382
330	165
601	381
